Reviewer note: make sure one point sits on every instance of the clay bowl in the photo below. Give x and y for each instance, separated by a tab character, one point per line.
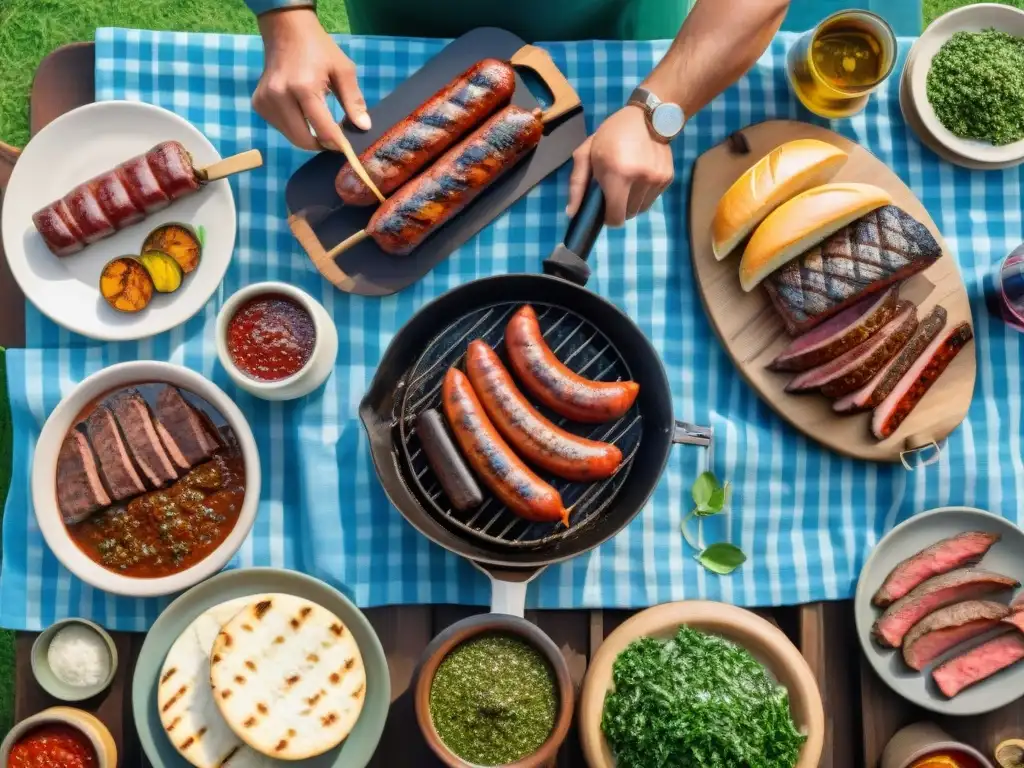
766	642
485	624
97	733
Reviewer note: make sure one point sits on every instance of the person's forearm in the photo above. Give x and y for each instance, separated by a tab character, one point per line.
719	41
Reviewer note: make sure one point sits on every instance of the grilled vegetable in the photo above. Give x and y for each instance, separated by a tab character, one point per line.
126	285
165	271
179	242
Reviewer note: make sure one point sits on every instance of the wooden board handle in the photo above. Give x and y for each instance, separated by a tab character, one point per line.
244	161
565	97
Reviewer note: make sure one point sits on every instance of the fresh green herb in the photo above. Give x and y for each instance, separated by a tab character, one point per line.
493	700
697	701
976	86
710	498
201	235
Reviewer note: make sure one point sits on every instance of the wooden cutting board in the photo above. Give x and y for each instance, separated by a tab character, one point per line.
753	334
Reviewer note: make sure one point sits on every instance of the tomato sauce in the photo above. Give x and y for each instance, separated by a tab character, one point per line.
271	337
53	746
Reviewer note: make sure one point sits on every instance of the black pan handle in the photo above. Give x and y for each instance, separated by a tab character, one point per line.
569	259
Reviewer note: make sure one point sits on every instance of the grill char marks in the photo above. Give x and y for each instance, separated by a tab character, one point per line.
80	491
119	475
136	423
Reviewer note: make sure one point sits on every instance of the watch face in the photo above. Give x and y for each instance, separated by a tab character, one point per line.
667	120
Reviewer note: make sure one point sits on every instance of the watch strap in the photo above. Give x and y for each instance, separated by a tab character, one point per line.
259	7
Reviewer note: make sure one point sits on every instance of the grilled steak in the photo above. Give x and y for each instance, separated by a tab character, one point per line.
938	592
918	380
838	334
1017	604
180	430
209	434
80	491
136	422
853	368
958	551
867	256
1016	619
119	473
979	663
885	381
948	627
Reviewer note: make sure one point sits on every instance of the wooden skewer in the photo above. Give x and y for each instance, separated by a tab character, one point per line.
244	161
347	243
357	166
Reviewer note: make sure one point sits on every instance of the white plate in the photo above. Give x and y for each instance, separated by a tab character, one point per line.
75	147
971	18
905	540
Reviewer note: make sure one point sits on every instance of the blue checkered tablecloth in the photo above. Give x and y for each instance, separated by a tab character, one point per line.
807	518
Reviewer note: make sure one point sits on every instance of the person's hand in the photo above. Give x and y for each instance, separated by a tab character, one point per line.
302	64
631	166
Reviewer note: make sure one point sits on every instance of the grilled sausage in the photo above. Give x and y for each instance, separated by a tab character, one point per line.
550	381
412	144
423	205
113	200
444	458
515	485
534	437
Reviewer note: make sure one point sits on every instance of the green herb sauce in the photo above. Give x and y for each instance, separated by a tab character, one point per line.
697	701
976	86
493	700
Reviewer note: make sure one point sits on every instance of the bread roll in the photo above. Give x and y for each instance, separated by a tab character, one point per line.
802	223
787	170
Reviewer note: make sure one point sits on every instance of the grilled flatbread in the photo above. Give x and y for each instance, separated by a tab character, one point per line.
188	713
288	677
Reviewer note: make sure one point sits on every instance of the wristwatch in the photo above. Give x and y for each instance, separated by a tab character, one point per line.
259	7
666	120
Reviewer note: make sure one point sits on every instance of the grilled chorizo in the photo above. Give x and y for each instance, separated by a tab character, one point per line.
444	458
413	143
113	200
515	485
550	381
427	202
534	437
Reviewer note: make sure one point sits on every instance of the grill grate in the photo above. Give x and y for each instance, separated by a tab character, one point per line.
579	345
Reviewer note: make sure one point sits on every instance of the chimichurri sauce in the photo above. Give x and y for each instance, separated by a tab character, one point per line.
493	700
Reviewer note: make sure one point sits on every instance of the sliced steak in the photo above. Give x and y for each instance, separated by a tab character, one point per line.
1017	604
948	627
116	465
852	368
979	663
838	334
876	390
208	434
958	551
918	380
180	429
882	248
938	592
136	423
80	491
1016	619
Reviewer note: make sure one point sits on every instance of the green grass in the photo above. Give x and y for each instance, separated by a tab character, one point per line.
935	8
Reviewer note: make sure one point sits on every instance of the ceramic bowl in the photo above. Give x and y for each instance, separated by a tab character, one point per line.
766	642
487	624
918	740
306	379
52	684
95	731
972	18
44	473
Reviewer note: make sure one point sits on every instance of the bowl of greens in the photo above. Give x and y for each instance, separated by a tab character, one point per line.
700	683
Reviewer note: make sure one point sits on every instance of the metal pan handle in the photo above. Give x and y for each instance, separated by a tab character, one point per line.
508	586
569	259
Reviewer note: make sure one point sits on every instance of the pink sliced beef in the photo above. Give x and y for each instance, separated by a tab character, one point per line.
949	627
80	491
938	592
854	367
876	390
1017	604
136	423
979	663
839	334
1016	619
116	466
182	432
958	551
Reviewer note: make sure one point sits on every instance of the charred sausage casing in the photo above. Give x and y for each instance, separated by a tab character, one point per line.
565	392
113	200
534	437
430	200
413	143
515	485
